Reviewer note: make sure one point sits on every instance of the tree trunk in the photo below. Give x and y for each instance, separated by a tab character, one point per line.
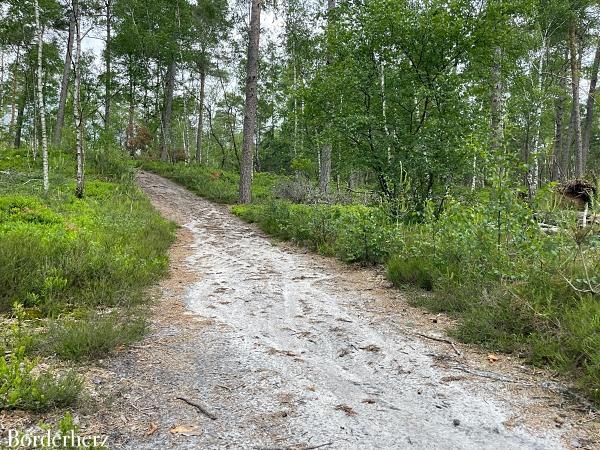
14	103
496	133
1	86
20	113
107	62
534	174
250	104
78	117
384	109
589	114
167	112
130	134
40	96
64	86
559	113
325	166
184	132
575	91
200	117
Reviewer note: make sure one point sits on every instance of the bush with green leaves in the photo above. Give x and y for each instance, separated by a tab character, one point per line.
64	262
21	387
101	250
512	287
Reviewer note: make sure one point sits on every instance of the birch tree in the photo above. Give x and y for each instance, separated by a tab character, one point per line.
40	95
576	119
78	116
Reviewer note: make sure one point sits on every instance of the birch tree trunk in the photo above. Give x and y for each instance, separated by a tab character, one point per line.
14	104
167	112
79	188
40	96
200	116
108	63
496	133
384	109
64	85
250	104
575	91
559	113
1	87
589	114
534	177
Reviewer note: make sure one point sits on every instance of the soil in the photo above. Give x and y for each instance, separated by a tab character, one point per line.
257	344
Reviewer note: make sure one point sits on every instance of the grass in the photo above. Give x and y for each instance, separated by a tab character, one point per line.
22	388
93	336
65	262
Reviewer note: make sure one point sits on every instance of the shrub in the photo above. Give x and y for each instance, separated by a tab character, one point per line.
92	336
410	270
21	388
111	163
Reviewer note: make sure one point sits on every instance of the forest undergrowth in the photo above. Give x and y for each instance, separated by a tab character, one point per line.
74	272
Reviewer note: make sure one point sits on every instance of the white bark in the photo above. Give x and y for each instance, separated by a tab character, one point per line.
534	174
77	105
40	97
575	91
384	109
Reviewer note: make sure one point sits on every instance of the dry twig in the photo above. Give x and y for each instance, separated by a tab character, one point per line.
198	407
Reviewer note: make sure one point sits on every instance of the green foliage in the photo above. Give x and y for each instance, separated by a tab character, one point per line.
66	257
112	163
22	388
410	270
92	336
486	262
354	233
102	250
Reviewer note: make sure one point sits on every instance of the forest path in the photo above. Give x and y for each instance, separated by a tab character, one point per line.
292	350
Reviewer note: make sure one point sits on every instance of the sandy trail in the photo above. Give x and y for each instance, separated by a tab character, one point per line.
291	350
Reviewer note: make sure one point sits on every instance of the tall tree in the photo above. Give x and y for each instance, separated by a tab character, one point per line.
167	111
250	104
40	95
78	113
200	128
576	119
107	62
325	160
64	85
589	110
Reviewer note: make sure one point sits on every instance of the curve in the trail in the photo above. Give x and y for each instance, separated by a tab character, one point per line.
298	357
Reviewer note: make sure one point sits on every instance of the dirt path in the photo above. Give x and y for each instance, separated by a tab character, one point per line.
291	350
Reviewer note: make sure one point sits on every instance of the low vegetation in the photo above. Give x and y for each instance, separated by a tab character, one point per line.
484	259
71	270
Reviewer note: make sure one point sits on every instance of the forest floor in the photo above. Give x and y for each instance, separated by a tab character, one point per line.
279	348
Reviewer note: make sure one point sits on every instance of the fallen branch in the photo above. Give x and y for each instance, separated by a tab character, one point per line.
489	375
198	407
445	341
551	386
296	446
